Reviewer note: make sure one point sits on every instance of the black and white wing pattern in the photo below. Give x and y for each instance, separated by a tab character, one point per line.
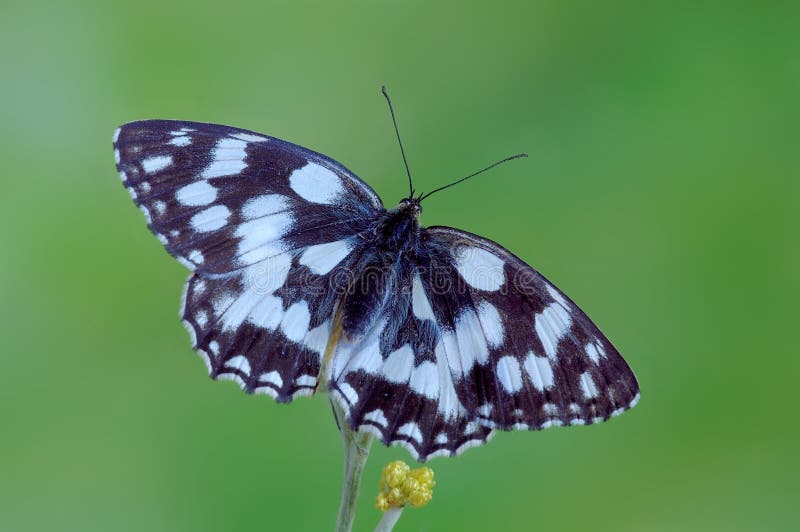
430	338
476	340
266	227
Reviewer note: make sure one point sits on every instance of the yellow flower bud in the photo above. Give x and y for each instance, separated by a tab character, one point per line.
396	497
394	474
400	485
420	498
424	475
382	502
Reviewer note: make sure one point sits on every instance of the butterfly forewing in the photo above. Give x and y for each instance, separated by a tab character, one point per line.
222	198
540	359
265	225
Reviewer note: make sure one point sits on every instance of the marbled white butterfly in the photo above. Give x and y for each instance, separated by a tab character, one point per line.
432	338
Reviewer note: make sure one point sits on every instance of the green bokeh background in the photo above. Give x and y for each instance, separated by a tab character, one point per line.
661	194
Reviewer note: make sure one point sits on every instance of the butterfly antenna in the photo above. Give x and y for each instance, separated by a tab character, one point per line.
519	155
397	131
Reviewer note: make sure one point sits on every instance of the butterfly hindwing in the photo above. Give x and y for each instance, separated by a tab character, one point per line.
395	381
267	227
265	327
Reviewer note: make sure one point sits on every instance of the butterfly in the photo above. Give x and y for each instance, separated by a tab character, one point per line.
430	337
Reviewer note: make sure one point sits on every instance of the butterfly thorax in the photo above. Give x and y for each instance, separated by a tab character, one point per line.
397	229
395	239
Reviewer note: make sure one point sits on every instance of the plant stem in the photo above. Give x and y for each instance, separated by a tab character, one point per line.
356	451
389	519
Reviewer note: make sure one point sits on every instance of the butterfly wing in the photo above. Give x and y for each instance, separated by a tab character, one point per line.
266	227
541	361
219	198
394	379
478	341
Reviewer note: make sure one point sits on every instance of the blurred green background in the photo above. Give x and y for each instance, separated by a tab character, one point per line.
661	194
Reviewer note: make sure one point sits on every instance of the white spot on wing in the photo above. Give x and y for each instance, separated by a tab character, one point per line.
196	194
588	386
227	158
237	310
555	295
441	439
509	374
196	256
268	275
449	405
316	184
295	321
551	324
160	207
425	380
259	237
210	219
398	365
480	268
199	287
491	323
249	138
322	258
116	134
317	338
377	417
364	355
471	342
265	205
595	352
239	363
349	393
146	214
267	313
485	410
272	377
180	141
411	430
449	347
550	409
306	380
155	164
540	371
419	300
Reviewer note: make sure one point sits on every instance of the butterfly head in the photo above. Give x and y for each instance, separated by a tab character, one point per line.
411	206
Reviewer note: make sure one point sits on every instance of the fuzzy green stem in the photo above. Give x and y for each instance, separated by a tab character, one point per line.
356	451
389	519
